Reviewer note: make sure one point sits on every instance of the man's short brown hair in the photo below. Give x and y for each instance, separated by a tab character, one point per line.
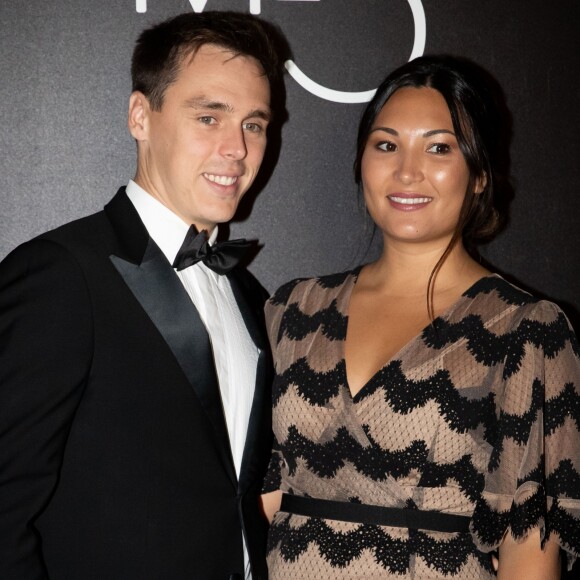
161	49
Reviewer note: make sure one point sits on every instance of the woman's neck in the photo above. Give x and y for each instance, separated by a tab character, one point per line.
404	270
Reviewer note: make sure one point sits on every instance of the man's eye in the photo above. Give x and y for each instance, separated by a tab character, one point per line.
207	120
439	148
386	146
253	127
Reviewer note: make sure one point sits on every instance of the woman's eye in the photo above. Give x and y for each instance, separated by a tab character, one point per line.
439	148
386	146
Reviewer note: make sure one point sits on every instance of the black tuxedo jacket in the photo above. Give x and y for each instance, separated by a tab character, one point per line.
115	460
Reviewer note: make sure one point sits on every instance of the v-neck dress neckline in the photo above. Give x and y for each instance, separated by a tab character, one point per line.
347	296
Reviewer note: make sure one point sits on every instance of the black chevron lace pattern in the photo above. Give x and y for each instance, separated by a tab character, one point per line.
463	434
393	554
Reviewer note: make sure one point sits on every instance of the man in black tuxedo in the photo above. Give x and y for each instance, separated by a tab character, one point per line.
134	372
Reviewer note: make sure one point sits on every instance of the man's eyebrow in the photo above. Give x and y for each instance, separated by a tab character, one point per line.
203	103
266	115
426	134
209	105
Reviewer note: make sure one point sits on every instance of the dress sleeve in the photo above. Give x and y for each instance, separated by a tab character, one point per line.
274	310
273	478
533	477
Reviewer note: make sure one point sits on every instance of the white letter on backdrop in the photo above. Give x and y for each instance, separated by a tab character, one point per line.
198	5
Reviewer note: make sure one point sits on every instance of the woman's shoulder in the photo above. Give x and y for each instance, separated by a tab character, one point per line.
496	288
495	285
510	307
299	289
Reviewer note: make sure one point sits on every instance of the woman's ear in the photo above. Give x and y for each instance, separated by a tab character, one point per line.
480	183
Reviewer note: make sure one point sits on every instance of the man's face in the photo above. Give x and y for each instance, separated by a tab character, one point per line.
201	152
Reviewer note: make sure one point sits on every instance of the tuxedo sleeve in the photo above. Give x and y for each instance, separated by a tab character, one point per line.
46	335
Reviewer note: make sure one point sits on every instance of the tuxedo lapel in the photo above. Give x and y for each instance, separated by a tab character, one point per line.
252	320
257	425
155	285
260	412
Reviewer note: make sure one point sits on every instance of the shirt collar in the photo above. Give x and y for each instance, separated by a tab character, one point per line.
166	228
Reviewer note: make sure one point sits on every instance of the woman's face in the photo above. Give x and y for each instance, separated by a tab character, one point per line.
414	175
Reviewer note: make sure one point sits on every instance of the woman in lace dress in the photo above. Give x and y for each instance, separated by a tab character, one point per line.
426	411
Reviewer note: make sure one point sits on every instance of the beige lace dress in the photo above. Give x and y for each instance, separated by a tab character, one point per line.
479	416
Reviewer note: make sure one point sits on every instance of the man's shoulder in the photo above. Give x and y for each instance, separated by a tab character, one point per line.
78	231
92	231
89	235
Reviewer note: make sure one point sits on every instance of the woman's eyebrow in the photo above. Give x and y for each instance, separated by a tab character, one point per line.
426	134
437	132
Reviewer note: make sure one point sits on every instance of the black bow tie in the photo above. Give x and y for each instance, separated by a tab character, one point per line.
220	257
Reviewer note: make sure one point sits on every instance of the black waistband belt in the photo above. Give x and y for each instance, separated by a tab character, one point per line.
374	514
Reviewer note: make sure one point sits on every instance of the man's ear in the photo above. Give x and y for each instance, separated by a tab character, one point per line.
480	183
138	118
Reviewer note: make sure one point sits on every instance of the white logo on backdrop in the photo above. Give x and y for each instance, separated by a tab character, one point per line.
199	5
305	81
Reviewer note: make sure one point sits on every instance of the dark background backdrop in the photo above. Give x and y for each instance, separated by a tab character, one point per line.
64	67
64	70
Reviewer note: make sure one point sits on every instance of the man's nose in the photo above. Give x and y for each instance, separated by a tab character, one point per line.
233	143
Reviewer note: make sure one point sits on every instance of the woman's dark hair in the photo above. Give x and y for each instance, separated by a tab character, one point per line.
471	96
160	50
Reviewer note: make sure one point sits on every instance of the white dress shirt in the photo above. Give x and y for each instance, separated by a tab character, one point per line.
234	352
